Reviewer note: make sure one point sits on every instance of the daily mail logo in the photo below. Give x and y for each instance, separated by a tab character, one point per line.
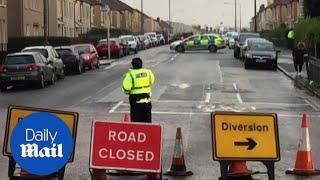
41	143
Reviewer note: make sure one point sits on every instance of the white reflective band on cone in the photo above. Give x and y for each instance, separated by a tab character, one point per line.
178	147
304	144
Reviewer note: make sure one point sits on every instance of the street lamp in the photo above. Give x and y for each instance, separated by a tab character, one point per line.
255	16
45	22
235	16
170	26
106	8
142	18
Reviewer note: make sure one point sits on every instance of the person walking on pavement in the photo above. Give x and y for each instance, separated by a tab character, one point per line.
298	57
137	83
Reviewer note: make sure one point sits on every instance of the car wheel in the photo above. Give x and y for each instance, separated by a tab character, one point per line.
62	75
90	66
79	69
52	81
246	64
213	49
275	67
41	84
3	88
180	49
236	53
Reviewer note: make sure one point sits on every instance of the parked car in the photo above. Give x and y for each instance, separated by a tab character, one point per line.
219	42
153	37
245	44
259	51
131	42
116	49
26	68
51	55
71	59
148	41
240	40
231	43
139	43
195	42
229	36
88	54
161	39
126	46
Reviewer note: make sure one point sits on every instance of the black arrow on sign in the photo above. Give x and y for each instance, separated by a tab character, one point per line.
250	143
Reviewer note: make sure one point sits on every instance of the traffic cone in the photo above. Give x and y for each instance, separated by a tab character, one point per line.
178	167
239	169
98	174
304	164
126	117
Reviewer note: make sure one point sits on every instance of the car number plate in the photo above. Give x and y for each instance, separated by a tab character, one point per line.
18	78
261	60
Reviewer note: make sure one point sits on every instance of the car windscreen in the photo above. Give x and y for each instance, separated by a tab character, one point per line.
261	46
44	52
245	37
64	52
24	59
128	38
82	49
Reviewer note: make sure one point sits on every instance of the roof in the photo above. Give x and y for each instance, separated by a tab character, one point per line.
37	47
117	5
23	53
164	24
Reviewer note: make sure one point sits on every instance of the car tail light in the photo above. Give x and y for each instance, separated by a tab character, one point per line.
33	67
3	69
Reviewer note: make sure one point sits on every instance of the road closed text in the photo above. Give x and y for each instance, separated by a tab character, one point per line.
121	154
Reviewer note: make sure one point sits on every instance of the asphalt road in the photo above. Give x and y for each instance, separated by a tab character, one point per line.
188	88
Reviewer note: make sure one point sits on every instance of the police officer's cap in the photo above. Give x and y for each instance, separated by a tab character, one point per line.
136	62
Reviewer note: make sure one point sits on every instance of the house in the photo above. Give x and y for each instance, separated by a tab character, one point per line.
83	16
3	27
101	17
120	14
25	18
136	21
165	27
278	12
61	18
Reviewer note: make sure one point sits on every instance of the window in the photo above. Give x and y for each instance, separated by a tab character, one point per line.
28	30
3	2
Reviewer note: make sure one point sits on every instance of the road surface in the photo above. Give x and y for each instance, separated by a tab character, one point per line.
188	88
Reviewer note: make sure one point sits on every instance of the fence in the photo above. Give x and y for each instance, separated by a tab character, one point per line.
314	69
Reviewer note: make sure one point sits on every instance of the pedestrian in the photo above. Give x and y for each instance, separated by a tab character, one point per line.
298	57
137	84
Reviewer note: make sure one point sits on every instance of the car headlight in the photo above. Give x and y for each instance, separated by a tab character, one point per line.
249	55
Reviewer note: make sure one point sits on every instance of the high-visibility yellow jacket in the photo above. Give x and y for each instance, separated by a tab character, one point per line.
138	81
291	34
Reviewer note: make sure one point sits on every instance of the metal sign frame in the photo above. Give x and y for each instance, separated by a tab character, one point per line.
12	108
214	145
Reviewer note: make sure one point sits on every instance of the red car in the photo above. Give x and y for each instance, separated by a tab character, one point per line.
88	54
116	48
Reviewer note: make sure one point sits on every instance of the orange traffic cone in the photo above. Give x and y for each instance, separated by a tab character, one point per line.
126	117
239	169
304	165
178	167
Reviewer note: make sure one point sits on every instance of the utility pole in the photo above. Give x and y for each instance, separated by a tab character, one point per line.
170	25
142	18
235	15
240	19
255	16
45	22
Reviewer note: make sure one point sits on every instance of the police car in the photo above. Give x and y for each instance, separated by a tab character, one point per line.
196	42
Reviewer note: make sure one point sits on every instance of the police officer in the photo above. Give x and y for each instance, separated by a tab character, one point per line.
137	84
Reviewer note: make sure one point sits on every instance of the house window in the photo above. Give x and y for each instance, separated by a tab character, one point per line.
3	2
28	30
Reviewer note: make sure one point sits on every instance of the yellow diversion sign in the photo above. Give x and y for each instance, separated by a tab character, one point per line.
16	113
245	136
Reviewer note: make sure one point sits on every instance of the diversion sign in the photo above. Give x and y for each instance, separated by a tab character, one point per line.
245	136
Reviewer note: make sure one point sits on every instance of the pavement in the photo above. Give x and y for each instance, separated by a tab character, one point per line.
188	88
285	64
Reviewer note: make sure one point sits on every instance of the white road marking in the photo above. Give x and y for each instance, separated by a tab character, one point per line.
174	57
239	98
115	107
253	108
275	104
85	99
111	66
235	86
310	104
208	96
220	73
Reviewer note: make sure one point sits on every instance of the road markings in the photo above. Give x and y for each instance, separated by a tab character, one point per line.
253	108
115	107
220	73
275	104
208	96
310	104
238	94
174	57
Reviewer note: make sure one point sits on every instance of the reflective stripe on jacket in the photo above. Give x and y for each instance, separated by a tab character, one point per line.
138	81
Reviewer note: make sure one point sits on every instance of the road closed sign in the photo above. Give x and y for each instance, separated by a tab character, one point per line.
126	146
245	136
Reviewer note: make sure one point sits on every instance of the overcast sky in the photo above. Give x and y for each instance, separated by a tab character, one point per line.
203	12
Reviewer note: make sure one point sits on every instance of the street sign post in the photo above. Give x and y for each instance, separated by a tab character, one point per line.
245	137
126	146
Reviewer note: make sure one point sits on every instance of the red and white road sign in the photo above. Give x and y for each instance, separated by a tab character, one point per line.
126	146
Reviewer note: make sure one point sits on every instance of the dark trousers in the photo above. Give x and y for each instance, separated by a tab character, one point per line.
140	112
298	65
